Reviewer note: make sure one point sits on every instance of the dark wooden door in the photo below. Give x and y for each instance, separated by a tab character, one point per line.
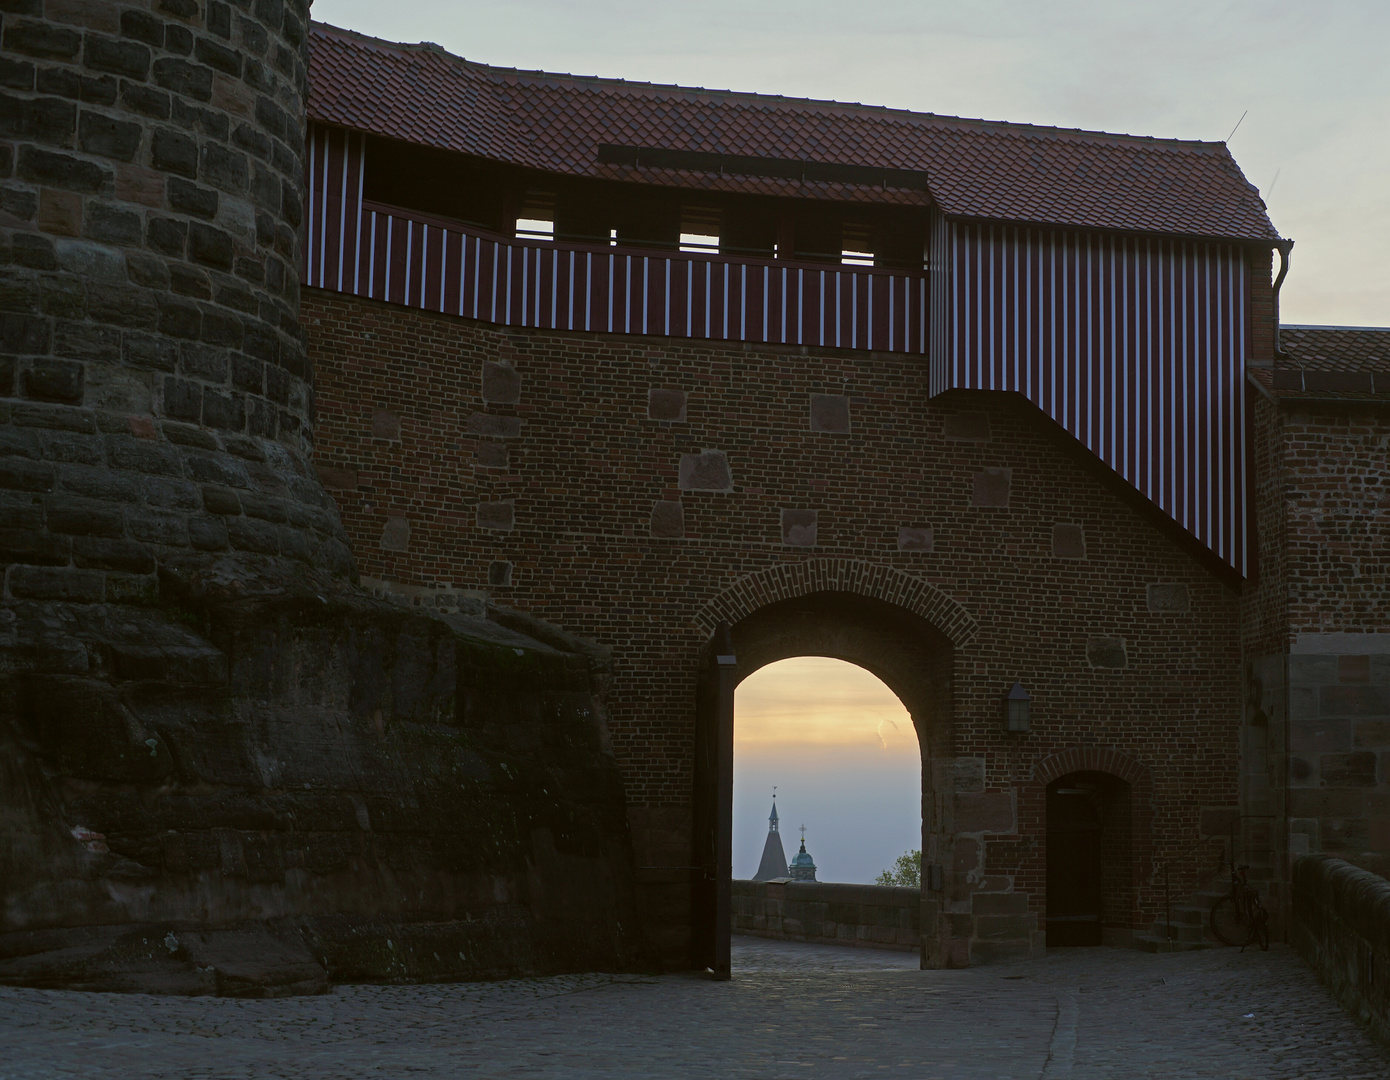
1073	865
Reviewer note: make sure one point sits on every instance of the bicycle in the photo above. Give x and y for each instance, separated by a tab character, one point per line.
1238	918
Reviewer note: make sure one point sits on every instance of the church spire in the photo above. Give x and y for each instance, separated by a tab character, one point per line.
774	860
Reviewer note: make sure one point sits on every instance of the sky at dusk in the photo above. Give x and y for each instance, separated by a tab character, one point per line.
1312	77
843	753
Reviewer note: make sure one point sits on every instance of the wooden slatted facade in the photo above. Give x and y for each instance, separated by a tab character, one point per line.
390	254
1134	345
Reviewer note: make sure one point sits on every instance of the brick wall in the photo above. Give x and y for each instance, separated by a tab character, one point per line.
620	486
1318	657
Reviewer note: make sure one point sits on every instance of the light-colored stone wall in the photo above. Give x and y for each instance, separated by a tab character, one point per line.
828	913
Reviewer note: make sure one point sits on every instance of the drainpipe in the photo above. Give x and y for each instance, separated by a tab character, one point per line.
1285	248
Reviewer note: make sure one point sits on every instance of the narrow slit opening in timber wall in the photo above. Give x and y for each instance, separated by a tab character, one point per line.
842	752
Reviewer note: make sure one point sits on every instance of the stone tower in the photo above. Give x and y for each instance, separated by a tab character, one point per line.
197	706
156	405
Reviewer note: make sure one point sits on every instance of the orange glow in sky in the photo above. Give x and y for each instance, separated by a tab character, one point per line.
819	702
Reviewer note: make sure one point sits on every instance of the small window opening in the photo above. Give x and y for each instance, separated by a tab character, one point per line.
535	229
856	244
702	243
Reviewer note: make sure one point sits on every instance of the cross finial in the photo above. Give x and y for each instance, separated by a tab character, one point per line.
803	834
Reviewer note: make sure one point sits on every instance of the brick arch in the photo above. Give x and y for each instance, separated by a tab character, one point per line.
787	581
1096	759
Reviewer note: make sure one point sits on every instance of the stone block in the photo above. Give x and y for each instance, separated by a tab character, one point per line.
1307	736
107	137
490	455
1000	952
97	553
498	515
1106	652
1004	927
1312	669
990	488
967	427
799	528
499	573
18	474
705	471
501	383
336	478
496	427
965	855
1324	803
28	546
912	538
60	212
1354	701
1348	770
1303	702
252	534
984	812
830	413
1169	599
395	534
1068	541
44	583
666	404
668	520
84	517
1353	669
999	903
1371	733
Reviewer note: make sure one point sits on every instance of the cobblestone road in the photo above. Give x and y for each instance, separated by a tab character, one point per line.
791	1011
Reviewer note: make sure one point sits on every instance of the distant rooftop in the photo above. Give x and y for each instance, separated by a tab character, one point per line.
976	169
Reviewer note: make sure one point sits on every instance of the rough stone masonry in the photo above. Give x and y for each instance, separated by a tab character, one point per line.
222	767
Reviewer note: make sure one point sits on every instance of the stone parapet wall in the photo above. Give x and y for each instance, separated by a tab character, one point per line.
1341	926
827	913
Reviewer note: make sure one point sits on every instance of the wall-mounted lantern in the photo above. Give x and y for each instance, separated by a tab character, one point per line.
1016	705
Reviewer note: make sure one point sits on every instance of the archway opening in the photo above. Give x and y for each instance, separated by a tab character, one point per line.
1090	881
841	752
904	650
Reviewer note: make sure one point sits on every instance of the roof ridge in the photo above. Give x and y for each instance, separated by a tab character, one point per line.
495	71
1323	326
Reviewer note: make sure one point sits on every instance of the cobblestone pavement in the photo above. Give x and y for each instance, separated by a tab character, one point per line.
791	1011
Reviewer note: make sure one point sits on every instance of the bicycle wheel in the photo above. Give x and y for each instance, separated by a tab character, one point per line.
1229	922
1259	928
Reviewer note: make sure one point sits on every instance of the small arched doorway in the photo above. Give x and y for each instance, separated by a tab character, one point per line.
1090	883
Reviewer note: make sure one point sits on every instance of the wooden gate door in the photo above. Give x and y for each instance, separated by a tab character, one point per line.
712	883
1073	864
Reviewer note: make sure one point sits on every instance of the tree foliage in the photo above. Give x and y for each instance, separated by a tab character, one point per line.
906	870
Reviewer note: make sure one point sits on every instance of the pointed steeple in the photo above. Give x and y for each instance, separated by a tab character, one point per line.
774	860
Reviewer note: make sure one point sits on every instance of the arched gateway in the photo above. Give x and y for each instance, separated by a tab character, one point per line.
899	628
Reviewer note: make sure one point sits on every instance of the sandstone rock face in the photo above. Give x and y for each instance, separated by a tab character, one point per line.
223	769
276	788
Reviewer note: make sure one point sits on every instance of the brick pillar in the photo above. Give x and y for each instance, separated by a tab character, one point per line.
156	402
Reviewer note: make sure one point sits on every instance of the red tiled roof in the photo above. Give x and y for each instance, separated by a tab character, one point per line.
1337	348
976	168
